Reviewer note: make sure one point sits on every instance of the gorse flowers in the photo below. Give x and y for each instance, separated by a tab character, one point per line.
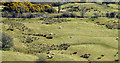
24	7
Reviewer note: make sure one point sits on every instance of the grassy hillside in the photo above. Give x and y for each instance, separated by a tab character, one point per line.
101	9
82	34
16	56
86	38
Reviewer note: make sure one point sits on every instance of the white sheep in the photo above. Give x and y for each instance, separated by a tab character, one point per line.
49	57
60	27
51	33
117	38
70	36
53	53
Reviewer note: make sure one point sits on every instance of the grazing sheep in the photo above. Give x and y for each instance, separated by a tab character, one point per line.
53	53
60	27
49	57
51	34
117	38
70	36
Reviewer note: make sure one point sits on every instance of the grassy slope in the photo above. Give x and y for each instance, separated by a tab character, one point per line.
87	38
16	56
102	8
84	34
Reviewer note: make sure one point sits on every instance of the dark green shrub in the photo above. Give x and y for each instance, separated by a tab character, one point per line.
74	9
94	16
69	15
66	14
107	14
116	26
118	16
50	10
55	4
109	26
113	26
7	41
29	40
73	15
4	14
70	10
30	16
112	14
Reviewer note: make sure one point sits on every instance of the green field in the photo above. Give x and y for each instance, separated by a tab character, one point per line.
87	38
16	56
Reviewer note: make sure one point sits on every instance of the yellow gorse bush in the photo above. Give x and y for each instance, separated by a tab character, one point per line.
24	6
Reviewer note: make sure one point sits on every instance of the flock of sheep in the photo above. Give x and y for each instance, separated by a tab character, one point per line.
83	56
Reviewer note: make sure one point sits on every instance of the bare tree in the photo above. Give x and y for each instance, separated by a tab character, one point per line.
59	7
83	12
